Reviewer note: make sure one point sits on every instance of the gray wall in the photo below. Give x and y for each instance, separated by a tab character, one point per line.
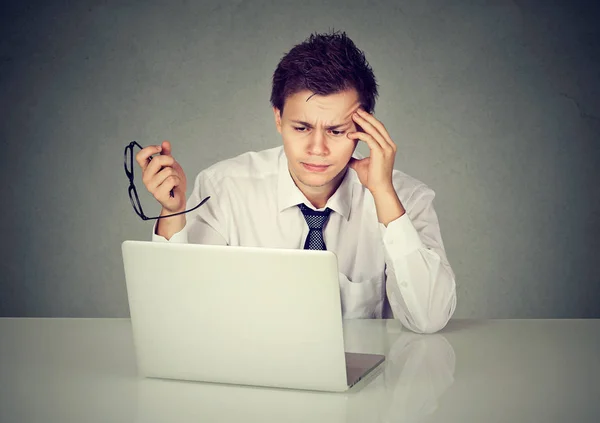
494	104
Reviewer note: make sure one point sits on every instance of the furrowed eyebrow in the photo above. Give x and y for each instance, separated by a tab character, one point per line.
308	125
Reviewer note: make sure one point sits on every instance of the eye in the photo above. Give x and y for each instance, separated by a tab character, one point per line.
299	128
338	133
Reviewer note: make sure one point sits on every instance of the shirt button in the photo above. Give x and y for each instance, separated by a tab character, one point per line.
403	284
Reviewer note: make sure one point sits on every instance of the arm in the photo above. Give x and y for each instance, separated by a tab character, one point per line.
420	283
164	178
203	225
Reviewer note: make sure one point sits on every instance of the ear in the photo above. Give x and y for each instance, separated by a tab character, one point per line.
277	114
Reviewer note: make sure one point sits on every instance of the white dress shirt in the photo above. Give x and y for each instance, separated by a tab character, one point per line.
398	271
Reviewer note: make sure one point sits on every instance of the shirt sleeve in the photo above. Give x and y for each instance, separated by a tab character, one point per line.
204	225
420	283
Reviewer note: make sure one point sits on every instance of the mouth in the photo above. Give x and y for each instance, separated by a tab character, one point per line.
315	168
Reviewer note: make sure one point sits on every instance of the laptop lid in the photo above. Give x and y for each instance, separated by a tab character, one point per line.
241	315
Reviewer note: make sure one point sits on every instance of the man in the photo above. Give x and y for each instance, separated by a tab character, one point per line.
312	193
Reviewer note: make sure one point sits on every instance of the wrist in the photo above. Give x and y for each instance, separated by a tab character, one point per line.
388	206
166	212
169	226
383	192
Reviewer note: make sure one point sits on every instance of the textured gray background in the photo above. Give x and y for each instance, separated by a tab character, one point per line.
494	104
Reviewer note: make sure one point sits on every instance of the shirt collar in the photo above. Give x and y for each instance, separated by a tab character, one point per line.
288	194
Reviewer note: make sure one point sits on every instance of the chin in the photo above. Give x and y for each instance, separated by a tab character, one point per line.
315	182
312	180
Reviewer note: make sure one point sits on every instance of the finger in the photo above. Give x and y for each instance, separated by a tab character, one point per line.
169	184
157	164
380	127
160	177
167	189
357	163
372	130
374	146
166	148
143	156
163	191
376	123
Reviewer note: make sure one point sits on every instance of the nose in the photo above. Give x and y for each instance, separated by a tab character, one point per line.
317	145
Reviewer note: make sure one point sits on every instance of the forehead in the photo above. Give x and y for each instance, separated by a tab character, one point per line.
309	105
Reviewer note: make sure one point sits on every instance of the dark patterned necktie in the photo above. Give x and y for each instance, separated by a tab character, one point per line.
315	220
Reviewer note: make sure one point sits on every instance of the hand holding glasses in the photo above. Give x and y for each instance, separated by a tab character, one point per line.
165	176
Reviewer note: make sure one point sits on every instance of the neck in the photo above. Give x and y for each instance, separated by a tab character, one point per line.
318	201
318	196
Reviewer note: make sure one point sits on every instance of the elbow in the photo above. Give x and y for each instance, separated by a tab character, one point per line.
429	326
433	321
433	327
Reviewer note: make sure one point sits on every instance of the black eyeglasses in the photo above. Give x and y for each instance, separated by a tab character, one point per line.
133	195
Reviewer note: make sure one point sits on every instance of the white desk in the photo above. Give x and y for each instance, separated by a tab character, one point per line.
83	370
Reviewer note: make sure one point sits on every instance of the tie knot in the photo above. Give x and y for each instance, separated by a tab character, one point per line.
315	219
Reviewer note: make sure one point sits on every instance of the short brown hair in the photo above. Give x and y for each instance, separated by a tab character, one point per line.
324	64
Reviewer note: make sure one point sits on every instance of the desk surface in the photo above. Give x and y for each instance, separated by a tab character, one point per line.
83	370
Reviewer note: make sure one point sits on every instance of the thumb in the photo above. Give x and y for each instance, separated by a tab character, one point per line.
166	148
356	164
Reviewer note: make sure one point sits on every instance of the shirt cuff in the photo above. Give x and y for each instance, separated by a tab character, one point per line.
179	237
401	236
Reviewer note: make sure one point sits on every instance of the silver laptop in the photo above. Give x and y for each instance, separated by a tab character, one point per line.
240	315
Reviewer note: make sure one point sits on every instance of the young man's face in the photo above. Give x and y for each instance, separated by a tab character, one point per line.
314	138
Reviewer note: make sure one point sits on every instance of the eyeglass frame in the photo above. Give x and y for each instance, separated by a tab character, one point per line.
136	203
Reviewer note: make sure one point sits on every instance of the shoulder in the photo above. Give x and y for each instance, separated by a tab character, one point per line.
410	189
249	165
